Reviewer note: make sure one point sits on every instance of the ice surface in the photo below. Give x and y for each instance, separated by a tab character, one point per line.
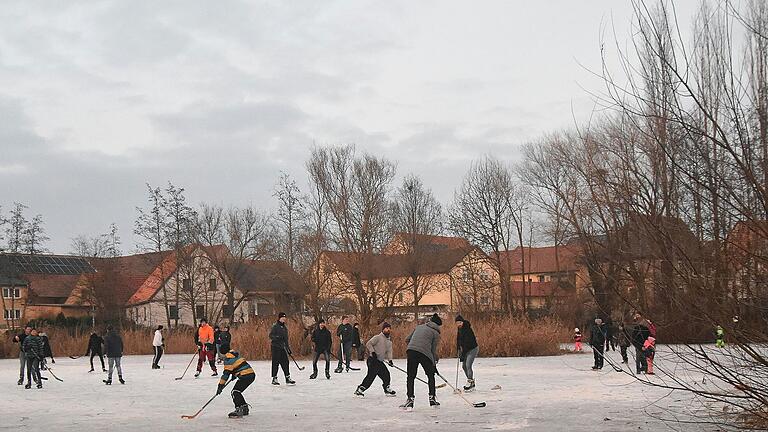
537	394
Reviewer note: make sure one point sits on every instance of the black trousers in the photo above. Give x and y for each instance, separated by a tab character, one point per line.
598	351
416	359
280	358
242	383
158	354
327	355
624	357
33	370
640	361
345	352
101	357
360	352
376	368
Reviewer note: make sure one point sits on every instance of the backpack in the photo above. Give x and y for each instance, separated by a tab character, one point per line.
652	328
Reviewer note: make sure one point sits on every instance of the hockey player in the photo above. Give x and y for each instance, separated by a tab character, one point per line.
47	351
19	339
468	350
224	341
235	367
321	338
205	348
379	351
422	349
278	336
33	348
157	345
95	343
344	333
113	345
357	343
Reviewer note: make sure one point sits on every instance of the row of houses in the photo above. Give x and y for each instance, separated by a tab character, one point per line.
452	275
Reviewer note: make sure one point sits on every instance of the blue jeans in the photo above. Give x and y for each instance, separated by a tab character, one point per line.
469	359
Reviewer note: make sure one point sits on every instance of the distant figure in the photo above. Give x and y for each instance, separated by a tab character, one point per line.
113	345
19	339
344	333
224	341
624	343
649	350
640	334
468	350
47	352
157	345
357	344
597	338
205	348
577	337
33	349
95	343
610	335
720	337
217	347
278	337
321	338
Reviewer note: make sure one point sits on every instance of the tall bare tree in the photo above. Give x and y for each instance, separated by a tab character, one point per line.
151	226
290	213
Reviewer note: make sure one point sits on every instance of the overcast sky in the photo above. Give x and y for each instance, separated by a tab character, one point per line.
218	97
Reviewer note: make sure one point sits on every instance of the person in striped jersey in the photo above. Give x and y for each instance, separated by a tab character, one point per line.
235	367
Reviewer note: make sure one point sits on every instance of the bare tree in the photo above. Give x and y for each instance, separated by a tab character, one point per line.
151	227
99	246
416	215
290	213
179	219
16	227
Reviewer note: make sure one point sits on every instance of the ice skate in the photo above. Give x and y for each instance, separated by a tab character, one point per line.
274	381
389	392
433	403
408	405
470	385
360	391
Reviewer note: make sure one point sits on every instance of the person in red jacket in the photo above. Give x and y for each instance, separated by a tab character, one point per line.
577	340
206	347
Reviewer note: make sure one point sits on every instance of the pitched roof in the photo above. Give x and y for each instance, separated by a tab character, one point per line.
433	242
52	286
47	276
135	278
261	276
383	266
542	259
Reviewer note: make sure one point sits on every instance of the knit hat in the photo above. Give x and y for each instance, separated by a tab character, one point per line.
385	325
576	329
459	318
280	315
598	321
436	319
322	321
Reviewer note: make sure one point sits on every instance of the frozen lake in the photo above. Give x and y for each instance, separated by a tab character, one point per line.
537	394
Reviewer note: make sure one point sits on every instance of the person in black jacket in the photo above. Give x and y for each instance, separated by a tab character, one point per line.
94	349
344	333
278	336
224	341
217	346
467	347
322	339
47	352
624	337
33	351
597	341
639	335
357	343
113	345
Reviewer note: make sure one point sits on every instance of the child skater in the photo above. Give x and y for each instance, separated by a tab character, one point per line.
577	340
649	348
235	367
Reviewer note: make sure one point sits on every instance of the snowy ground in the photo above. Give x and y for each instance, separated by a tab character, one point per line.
537	394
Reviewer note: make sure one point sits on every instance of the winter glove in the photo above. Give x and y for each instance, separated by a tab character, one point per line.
374	356
288	349
219	388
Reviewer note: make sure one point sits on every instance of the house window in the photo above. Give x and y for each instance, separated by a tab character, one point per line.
186	284
11	293
11	314
212	284
145	313
173	312
541	278
484	276
484	300
200	311
252	310
226	310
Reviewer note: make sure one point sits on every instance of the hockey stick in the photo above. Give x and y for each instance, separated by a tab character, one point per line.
350	368
403	371
74	357
185	370
189	417
301	368
458	363
52	374
476	404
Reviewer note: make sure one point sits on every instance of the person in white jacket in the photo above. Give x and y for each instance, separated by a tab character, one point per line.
157	344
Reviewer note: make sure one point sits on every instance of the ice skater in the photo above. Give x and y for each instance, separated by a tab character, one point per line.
649	350
321	338
157	345
379	351
577	337
205	348
344	333
468	349
47	351
19	339
113	345
719	337
278	336
33	349
223	342
423	344
95	343
640	334
597	338
235	367
357	343
624	343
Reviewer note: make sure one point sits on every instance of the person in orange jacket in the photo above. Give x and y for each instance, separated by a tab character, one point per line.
206	347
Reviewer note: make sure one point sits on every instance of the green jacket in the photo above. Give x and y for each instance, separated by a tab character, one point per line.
33	347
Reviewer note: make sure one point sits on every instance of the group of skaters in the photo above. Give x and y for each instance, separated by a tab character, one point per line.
34	348
639	334
110	345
